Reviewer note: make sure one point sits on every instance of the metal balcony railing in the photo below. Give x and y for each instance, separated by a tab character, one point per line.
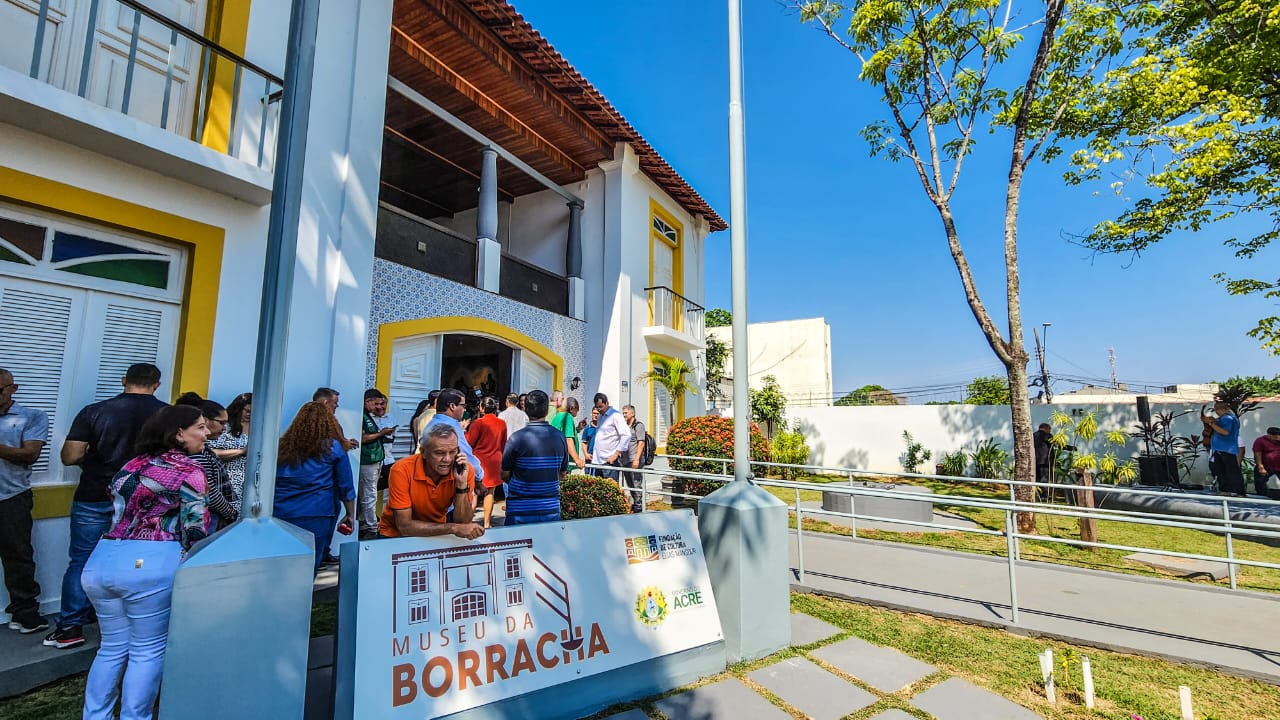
667	308
128	57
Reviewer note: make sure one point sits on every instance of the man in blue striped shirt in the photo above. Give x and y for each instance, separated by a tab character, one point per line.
533	463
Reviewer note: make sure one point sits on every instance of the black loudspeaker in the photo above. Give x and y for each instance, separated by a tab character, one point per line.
1144	409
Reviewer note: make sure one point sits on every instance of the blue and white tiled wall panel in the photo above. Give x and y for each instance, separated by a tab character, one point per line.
403	293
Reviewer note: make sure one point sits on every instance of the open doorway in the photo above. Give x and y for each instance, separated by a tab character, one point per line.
478	366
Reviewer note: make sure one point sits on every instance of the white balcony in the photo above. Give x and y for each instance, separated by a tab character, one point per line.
675	322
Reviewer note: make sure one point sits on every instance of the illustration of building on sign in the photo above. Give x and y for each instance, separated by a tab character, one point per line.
454	584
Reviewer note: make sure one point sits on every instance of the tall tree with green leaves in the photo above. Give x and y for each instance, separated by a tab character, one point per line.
717	356
719	317
1187	126
987	390
768	404
1254	385
951	72
869	395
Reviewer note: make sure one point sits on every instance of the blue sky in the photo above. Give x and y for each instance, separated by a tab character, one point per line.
836	233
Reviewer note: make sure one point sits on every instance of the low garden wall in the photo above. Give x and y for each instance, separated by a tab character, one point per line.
870	437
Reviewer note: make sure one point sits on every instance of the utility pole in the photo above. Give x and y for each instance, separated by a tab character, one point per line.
1040	351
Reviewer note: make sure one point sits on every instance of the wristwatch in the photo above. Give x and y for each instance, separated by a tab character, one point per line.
458	491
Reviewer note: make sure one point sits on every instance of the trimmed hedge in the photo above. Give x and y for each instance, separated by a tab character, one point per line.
588	496
710	437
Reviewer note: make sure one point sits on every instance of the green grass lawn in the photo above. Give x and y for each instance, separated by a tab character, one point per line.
1006	664
1117	533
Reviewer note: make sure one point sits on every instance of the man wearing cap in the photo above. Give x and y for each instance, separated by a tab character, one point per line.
1225	446
1266	461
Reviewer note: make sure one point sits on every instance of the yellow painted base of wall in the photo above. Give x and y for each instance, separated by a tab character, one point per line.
52	501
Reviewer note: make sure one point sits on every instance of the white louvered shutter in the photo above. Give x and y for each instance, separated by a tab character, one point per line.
130	334
34	327
661	415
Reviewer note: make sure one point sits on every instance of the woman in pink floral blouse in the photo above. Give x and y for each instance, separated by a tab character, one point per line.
159	499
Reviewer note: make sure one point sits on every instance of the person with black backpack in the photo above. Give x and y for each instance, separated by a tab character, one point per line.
640	455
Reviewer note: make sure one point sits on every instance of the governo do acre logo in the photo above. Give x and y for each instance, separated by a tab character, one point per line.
651	607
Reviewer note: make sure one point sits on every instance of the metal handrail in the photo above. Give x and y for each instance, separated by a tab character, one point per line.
694	306
210	53
1009	507
856	472
197	38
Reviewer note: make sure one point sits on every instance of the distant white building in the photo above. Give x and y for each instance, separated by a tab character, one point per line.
1180	393
796	352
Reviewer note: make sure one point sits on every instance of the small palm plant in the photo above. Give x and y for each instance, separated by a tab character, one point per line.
1069	432
671	374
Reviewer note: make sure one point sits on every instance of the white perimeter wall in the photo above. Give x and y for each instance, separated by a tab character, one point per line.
870	437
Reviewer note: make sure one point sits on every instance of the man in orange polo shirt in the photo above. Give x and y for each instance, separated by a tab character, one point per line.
421	489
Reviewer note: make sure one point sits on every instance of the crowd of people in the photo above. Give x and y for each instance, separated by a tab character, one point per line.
156	478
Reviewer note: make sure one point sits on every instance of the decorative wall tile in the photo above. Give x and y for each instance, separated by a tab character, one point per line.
403	293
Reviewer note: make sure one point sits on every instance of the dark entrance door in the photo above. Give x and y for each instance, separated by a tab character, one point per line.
477	366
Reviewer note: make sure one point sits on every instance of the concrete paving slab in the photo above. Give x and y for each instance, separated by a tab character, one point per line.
957	699
882	668
632	714
724	700
894	714
25	663
1128	613
320	652
318	704
806	629
811	689
1182	567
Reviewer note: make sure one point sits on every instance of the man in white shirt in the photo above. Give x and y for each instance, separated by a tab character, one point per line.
613	437
513	416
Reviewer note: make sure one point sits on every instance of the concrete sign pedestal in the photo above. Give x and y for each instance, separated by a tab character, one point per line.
744	537
240	625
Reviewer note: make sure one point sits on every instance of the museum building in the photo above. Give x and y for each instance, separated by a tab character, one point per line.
475	214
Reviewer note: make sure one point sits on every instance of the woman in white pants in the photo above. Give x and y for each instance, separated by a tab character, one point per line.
159	499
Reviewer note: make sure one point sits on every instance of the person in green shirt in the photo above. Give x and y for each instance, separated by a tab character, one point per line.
564	422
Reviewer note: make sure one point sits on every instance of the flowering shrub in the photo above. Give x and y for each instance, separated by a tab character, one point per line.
588	496
710	437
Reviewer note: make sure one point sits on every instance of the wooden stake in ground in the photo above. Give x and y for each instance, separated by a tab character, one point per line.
1046	672
1087	669
1088	526
1184	695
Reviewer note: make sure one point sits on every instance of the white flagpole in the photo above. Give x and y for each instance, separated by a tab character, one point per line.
738	245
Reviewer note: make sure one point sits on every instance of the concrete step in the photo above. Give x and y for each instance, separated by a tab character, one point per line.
26	664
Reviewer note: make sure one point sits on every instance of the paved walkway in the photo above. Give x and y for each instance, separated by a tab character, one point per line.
830	680
827	681
1228	630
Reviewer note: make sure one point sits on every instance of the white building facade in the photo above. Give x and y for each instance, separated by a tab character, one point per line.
136	155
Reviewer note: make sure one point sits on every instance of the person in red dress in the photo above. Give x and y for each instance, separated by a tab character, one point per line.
488	436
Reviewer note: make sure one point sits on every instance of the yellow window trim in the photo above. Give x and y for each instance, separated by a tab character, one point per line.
227	24
653	401
193	358
388	333
677	264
